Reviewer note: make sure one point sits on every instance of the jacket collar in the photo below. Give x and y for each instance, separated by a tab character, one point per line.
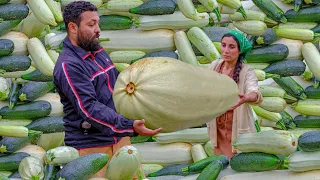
79	51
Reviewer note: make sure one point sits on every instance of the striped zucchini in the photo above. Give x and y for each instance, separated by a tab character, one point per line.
187	9
42	12
171	21
298	25
198	38
307	14
138	40
264	141
297	34
310	108
159	7
303	161
40	56
251	27
291	87
184	48
273	104
271	10
311	56
255	162
194	135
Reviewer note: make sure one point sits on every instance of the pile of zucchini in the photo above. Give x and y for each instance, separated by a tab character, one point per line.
285	57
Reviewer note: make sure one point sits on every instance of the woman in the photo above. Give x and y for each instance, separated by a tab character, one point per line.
239	119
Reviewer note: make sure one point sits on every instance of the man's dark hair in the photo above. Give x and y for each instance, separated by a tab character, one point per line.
72	12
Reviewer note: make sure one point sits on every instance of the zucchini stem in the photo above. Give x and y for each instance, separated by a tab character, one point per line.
217	12
270	21
268	75
104	39
186	169
243	12
289	97
3	149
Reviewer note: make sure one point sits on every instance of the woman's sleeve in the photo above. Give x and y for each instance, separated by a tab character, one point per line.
251	85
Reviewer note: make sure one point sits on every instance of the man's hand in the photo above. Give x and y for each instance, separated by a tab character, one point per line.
139	127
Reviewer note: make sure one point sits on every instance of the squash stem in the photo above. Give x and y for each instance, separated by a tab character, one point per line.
270	21
268	75
34	133
104	39
130	88
3	149
186	169
286	163
260	40
281	125
243	12
289	97
23	97
303	96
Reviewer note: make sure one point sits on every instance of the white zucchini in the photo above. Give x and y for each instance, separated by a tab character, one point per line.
121	5
17	74
294	47
52	40
97	3
126	56
184	48
56	105
273	104
264	141
31	26
209	148
60	156
304	161
53	55
187	9
193	135
150	168
251	27
42	12
299	25
138	40
312	58
164	154
198	153
210	4
19	40
35	151
40	56
171	21
226	10
50	141
31	168
55	8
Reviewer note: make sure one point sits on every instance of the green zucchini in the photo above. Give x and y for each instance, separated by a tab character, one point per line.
271	10
255	161
211	172
267	38
312	93
37	75
14	94
50	124
33	90
6	47
4	1
14	63
5	173
287	120
114	22
307	14
291	87
267	54
140	139
13	11
175	169
286	68
83	167
155	7
310	141
307	122
7	26
15	175
32	110
11	162
215	33
200	165
11	144
50	172
316	29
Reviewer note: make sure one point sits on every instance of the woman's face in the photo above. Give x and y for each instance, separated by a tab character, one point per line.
229	49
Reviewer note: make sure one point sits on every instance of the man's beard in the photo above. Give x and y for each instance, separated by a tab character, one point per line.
87	43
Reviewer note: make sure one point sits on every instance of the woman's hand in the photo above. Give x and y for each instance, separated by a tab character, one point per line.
251	97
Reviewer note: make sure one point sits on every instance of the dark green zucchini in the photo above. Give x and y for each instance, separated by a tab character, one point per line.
32	110
268	54
50	124
4	1
13	63
11	145
255	161
291	87
114	22
11	162
271	10
287	120
13	11
211	172
200	165
7	26
286	68
140	139
172	170
158	7
15	175
37	75
307	122
312	93
50	172
6	47
310	141
267	38
306	14
316	29
14	94
215	33
33	90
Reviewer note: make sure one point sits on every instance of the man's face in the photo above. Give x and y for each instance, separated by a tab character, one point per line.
88	32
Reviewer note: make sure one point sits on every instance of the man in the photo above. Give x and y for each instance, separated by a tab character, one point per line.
84	77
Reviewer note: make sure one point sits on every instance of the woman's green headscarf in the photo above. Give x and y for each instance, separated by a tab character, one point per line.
244	44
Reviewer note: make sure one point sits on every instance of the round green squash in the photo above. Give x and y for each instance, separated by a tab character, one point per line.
172	94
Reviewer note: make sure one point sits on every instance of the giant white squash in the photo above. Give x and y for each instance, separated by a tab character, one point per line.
172	94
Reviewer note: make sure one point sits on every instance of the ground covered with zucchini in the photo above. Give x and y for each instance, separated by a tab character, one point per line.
285	56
